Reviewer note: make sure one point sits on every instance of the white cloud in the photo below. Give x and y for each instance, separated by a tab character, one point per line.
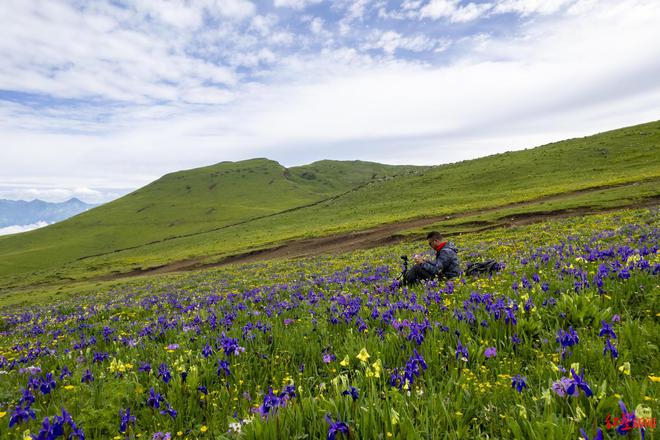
457	12
295	4
17	190
576	71
264	24
390	41
528	7
356	9
69	53
452	10
234	8
316	25
282	38
22	228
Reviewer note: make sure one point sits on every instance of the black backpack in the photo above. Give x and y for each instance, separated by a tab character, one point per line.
488	266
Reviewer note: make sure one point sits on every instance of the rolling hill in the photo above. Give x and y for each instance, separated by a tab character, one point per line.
208	214
187	202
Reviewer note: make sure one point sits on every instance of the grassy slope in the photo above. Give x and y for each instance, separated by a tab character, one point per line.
615	157
625	155
187	202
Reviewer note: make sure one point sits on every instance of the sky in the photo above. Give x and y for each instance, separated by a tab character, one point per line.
98	98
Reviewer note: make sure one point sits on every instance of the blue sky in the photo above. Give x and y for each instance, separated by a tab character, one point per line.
100	97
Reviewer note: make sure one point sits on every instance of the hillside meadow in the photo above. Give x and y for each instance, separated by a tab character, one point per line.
211	213
562	342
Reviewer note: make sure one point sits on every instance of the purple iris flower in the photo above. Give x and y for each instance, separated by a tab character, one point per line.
203	389
567	338
598	436
223	366
125	419
27	398
51	429
87	377
510	317
353	392
579	382
207	351
289	392
329	357
519	382
560	387
169	411
65	372
335	428
154	399
100	357
164	373
47	384
20	415
461	351
418	359
611	348
627	420
230	345
145	367
271	402
491	352
607	331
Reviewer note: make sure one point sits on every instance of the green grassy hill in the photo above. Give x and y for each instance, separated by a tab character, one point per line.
210	213
187	202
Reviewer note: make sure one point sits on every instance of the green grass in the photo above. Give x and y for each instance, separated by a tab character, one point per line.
182	205
452	398
187	202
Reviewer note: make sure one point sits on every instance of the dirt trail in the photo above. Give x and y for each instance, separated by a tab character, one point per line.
386	234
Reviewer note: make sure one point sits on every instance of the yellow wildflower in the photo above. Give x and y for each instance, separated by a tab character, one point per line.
378	368
363	355
395	417
345	362
203	428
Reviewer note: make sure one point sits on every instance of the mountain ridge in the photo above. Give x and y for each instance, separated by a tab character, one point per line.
26	212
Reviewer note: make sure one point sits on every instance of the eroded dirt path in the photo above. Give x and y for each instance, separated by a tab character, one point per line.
387	234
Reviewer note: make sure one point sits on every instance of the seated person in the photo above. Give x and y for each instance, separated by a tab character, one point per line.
444	266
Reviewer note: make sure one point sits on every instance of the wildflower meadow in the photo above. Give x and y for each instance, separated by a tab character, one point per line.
562	342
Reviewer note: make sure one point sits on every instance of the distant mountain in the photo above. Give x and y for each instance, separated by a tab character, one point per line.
21	212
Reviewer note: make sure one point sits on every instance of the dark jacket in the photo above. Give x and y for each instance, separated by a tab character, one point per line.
446	263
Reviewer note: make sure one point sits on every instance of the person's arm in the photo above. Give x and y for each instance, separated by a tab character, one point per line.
433	266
